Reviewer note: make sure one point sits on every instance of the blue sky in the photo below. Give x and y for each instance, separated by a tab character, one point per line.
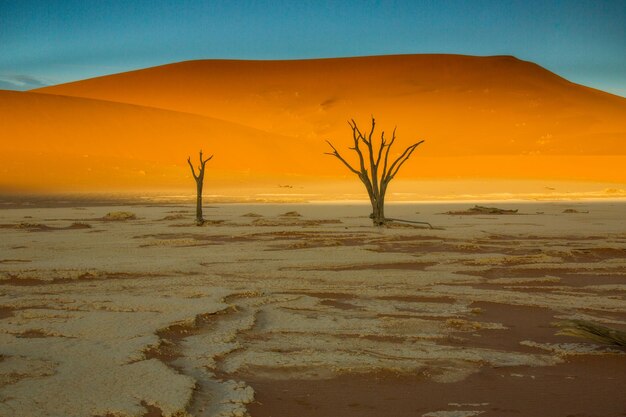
49	42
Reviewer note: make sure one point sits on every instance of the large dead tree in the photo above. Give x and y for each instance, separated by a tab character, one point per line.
199	184
375	179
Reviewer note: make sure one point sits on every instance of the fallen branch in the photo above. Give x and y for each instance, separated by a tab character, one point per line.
588	330
482	210
408	221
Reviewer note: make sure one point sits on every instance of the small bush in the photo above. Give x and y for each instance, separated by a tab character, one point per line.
120	216
291	214
79	225
251	215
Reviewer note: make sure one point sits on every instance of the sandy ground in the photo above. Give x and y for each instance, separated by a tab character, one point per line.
307	310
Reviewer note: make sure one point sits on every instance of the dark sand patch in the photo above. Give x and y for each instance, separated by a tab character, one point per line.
521	322
151	410
407	266
354	238
23	282
197	236
203	239
11	279
580	277
323	295
582	386
419	246
14	261
419	299
341	305
530	238
304	240
591	255
40	227
293	221
6	312
33	334
539	288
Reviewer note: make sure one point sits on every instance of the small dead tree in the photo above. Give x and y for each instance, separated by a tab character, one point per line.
375	179
199	184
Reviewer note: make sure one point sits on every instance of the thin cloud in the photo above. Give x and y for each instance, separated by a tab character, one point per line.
21	82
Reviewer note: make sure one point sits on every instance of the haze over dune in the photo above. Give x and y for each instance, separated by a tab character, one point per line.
482	117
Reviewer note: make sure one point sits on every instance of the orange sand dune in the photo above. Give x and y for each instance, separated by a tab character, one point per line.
462	105
482	117
66	143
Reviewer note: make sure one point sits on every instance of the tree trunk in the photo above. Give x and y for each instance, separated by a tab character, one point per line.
199	177
378	211
199	216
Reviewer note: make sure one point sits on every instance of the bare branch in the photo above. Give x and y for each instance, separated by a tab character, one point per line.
373	165
380	150
206	160
408	155
358	136
395	167
336	154
375	182
393	139
355	129
369	136
193	171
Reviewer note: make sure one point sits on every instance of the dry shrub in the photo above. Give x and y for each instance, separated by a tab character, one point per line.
588	330
573	211
251	215
291	214
174	217
120	216
31	226
79	225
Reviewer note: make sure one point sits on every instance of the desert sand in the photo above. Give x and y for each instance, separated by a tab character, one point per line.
497	118
308	310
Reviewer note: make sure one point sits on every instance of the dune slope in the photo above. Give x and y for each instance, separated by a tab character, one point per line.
481	117
67	143
464	105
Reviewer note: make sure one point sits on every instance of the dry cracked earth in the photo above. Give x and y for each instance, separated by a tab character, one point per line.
308	310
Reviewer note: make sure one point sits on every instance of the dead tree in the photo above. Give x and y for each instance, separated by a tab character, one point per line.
199	184
375	179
